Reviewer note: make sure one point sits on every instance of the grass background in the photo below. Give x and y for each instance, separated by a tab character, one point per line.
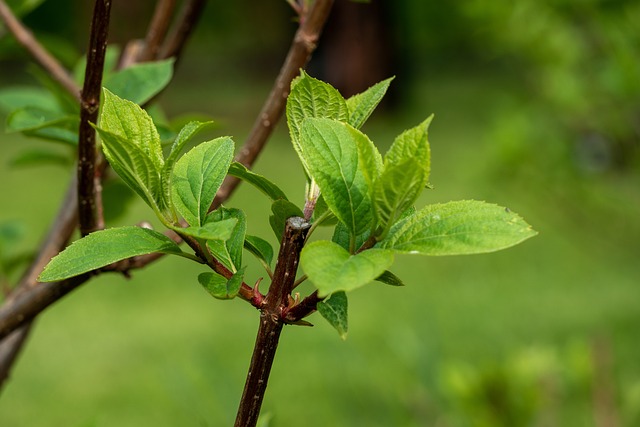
156	350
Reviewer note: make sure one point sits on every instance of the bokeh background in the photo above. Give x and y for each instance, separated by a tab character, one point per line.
537	108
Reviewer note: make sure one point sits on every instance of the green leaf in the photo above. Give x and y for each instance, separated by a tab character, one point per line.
258	181
127	120
390	279
31	119
362	105
105	247
141	82
229	252
17	97
332	269
260	248
134	167
330	148
334	309
458	228
40	157
219	287
197	176
404	175
220	230
282	210
343	237
322	212
310	97
187	132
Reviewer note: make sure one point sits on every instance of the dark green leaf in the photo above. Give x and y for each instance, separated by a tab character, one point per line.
261	183
335	310
390	279
282	210
219	230
457	228
260	248
105	247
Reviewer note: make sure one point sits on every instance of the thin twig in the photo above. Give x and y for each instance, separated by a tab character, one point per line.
157	29
39	53
89	181
186	23
10	349
304	43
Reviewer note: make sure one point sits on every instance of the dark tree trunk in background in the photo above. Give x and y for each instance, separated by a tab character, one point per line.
356	49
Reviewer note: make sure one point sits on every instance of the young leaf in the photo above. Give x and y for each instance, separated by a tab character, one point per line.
197	176
334	309
457	228
229	252
282	210
141	82
105	247
362	105
310	97
330	149
260	248
130	122
220	230
219	287
390	279
134	167
404	175
186	133
332	269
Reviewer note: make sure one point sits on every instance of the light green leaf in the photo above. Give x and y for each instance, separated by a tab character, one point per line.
330	149
282	210
186	133
197	176
369	160
105	247
335	310
323	213
134	167
258	181
219	287
141	82
220	230
332	269
458	228
404	175
310	97
260	248
389	278
362	105
229	252
127	120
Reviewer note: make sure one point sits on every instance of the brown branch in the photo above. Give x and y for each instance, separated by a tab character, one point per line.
186	23
39	53
88	178
304	43
157	30
10	349
271	322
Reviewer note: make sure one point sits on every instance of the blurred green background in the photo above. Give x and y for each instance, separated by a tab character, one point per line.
537	108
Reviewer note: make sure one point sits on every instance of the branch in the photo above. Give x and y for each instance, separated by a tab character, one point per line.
175	42
157	29
304	43
39	53
271	322
89	105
